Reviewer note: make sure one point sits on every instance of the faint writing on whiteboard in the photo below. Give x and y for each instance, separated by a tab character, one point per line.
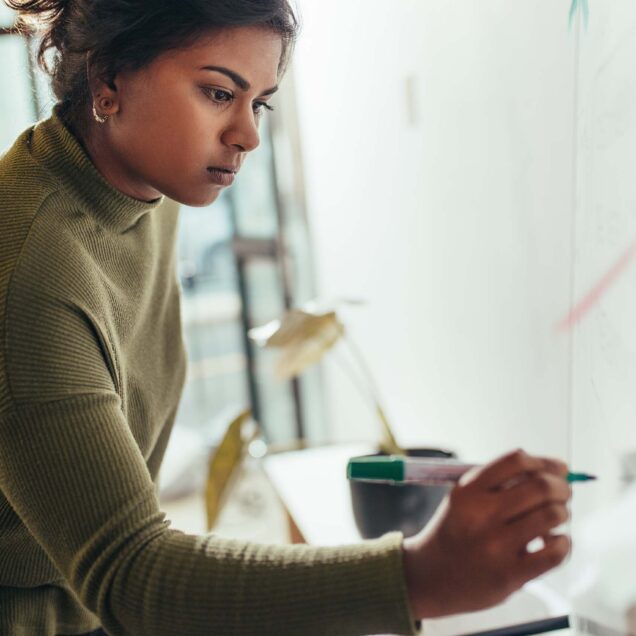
581	5
599	290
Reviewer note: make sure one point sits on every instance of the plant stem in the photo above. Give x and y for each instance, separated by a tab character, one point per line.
389	443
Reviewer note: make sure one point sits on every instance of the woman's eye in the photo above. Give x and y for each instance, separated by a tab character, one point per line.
218	95
259	106
221	96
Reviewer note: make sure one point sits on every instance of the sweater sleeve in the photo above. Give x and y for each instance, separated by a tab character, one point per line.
73	472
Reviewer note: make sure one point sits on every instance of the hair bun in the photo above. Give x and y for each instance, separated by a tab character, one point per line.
38	14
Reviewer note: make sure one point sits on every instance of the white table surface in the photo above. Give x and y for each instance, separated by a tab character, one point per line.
312	484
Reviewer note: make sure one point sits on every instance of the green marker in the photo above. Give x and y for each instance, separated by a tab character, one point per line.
572	477
397	469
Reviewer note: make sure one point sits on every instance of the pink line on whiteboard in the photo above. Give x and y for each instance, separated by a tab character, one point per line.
598	291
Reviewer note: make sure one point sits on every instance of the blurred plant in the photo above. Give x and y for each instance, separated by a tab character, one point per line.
304	336
225	460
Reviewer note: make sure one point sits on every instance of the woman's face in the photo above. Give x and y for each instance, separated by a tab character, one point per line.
183	125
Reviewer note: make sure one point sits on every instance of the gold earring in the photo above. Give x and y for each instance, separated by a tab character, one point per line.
99	118
105	103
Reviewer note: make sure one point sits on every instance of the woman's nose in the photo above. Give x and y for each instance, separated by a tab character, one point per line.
242	132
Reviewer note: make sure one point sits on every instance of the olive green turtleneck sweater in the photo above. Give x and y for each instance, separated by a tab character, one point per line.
91	368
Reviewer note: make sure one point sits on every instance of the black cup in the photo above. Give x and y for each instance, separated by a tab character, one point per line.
380	508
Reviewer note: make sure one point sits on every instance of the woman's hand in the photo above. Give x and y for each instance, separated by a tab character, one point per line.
473	553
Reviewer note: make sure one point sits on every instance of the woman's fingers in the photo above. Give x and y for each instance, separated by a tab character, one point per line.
537	523
509	489
534	491
555	550
513	467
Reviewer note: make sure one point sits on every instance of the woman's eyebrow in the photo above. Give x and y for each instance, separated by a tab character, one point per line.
241	82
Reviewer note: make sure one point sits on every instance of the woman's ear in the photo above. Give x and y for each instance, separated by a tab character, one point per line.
104	95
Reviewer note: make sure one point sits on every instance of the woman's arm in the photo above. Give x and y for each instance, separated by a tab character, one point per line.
74	475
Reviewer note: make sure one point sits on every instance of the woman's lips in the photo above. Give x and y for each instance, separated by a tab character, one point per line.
221	176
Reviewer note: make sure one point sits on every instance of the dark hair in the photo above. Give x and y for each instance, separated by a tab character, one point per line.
117	35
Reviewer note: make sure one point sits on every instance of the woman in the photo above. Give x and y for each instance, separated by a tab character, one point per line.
157	98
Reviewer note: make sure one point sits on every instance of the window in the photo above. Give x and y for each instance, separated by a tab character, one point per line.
16	103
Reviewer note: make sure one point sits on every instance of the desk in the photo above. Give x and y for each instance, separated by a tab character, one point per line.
312	485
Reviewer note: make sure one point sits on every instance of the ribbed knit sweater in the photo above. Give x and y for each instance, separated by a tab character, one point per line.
91	369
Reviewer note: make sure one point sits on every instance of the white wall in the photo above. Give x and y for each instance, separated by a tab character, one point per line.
456	228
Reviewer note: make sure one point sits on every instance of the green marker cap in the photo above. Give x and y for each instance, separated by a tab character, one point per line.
572	477
388	468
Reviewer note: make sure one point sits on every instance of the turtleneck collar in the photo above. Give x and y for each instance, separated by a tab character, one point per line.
55	147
